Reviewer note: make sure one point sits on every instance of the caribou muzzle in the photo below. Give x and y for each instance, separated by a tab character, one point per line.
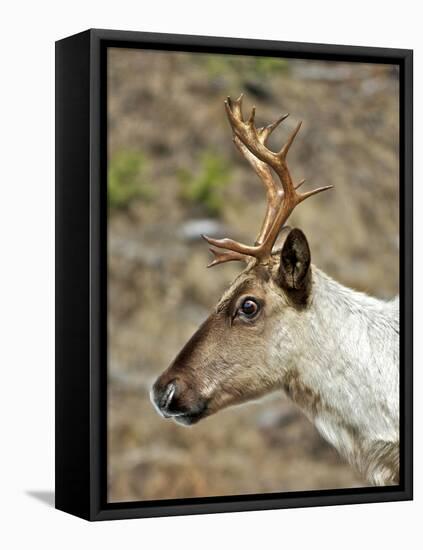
175	399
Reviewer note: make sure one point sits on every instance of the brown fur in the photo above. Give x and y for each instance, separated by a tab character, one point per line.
220	363
383	461
304	396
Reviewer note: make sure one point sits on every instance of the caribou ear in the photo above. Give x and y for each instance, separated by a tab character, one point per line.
294	266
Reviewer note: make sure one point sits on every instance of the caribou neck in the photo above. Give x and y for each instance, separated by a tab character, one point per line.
346	376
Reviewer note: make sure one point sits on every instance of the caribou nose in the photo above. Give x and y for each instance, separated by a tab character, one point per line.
163	396
167	396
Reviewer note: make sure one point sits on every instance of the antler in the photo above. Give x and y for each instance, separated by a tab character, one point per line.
282	196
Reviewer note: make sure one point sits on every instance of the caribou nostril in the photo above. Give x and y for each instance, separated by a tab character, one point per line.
167	396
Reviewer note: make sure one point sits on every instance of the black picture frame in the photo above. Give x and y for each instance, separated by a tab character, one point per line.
81	274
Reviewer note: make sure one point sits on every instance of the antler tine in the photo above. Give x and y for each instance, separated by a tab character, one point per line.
284	151
222	257
233	246
281	201
304	196
236	105
264	133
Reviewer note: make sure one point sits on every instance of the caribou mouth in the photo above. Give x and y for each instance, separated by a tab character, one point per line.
187	419
190	418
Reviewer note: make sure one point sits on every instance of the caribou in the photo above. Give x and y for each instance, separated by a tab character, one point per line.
284	325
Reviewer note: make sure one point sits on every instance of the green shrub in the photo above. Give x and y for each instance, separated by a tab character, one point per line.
203	188
265	66
243	67
126	179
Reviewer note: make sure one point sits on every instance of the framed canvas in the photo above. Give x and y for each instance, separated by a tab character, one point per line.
162	139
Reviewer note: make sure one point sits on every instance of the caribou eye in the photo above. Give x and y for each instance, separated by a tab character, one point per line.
249	308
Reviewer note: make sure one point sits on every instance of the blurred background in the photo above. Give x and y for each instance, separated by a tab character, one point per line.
173	174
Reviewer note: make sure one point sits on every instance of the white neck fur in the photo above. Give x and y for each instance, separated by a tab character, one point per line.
349	365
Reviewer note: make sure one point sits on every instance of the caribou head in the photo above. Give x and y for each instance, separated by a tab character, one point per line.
248	345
